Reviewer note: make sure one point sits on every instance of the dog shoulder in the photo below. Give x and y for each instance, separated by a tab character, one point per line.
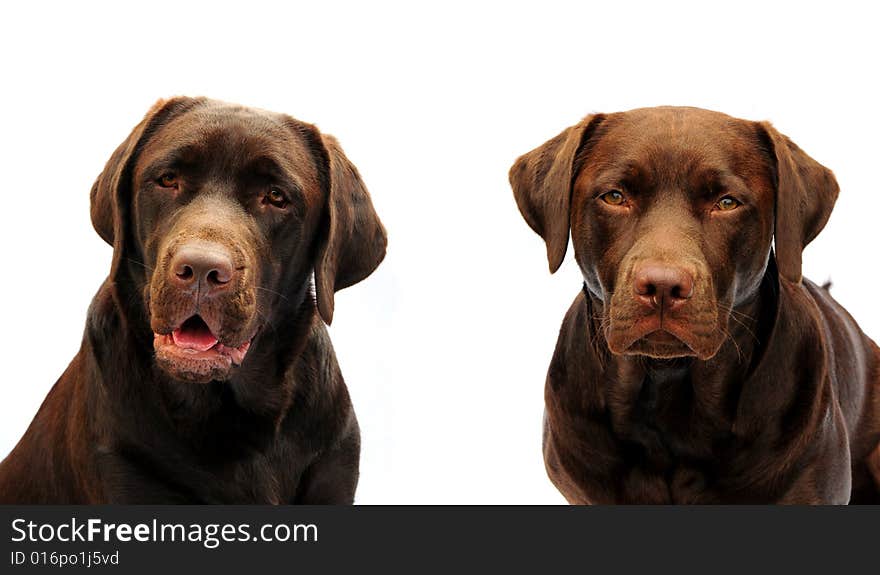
853	350
838	323
320	393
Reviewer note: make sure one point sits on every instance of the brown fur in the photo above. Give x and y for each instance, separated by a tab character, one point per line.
754	387
126	425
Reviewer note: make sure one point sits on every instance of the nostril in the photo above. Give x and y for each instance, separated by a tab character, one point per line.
218	277
684	289
645	287
185	273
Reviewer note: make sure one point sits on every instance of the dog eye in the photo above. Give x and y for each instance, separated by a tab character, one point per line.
613	198
167	180
727	203
275	197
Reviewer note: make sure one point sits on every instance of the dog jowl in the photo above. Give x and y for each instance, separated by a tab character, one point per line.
206	373
692	338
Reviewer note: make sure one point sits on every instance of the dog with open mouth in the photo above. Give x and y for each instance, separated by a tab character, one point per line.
206	374
697	365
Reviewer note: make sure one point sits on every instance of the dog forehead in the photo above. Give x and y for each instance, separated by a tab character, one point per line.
672	143
234	136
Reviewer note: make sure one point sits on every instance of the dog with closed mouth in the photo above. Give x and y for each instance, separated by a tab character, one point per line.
697	365
206	374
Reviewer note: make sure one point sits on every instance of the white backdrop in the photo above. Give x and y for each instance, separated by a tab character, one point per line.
445	348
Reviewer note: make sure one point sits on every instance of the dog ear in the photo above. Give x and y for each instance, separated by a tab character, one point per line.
353	241
111	194
541	182
805	195
103	193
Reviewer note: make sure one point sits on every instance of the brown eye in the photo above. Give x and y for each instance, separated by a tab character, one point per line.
727	204
613	198
168	180
276	198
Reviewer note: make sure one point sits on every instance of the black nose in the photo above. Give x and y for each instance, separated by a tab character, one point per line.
662	286
204	266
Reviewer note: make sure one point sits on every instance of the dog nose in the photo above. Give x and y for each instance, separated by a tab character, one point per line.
660	285
203	266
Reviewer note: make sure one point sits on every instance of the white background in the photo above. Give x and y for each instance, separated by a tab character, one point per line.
446	346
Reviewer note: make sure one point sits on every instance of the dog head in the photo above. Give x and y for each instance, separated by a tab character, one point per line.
219	214
672	212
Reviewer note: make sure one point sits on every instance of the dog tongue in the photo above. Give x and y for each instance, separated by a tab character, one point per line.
194	334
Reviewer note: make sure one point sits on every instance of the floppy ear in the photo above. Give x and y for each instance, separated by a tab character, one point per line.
103	194
541	182
110	194
353	241
805	195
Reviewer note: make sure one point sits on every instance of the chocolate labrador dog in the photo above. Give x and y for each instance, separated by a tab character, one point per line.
697	365
206	374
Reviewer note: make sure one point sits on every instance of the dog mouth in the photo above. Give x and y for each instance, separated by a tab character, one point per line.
661	344
194	337
648	337
663	337
192	352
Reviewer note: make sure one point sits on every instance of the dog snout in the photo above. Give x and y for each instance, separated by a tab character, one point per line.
662	286
203	267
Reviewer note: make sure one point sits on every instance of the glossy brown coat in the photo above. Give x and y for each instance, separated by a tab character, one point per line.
125	424
755	386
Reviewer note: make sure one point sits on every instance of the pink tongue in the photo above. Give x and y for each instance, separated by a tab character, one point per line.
198	337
